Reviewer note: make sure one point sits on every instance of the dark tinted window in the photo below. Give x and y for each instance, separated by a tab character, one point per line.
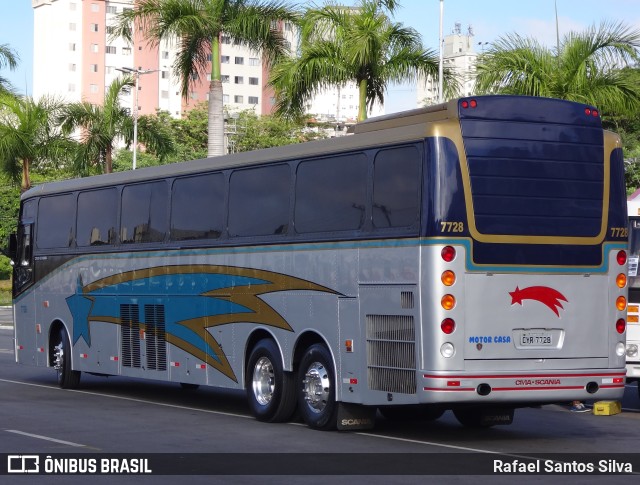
97	211
331	194
396	187
29	210
259	201
56	218
197	207
144	213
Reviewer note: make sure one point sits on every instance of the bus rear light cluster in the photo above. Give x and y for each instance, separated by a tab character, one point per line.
591	112
448	301
469	104
621	301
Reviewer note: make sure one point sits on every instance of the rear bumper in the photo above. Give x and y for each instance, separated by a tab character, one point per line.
522	387
633	371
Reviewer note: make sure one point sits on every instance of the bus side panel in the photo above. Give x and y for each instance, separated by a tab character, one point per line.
25	330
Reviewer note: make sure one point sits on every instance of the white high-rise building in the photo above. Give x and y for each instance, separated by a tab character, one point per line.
76	59
459	55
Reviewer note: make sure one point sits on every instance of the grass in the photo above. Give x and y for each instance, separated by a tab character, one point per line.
5	292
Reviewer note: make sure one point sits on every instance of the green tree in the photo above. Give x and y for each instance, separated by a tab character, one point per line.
253	132
585	68
100	128
29	135
8	58
197	26
9	205
341	45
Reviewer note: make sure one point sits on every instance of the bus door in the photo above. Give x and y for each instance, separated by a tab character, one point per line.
28	350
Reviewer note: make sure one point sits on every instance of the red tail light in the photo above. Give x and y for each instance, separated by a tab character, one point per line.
448	253
621	326
621	257
448	326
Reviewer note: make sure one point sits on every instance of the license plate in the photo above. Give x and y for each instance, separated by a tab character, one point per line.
534	339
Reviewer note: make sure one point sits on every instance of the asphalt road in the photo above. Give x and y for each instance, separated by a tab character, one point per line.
119	415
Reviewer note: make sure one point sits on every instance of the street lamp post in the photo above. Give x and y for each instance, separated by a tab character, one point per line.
136	74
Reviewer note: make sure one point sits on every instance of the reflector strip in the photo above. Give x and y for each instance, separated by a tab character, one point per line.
514	376
175	364
613	380
83	356
41	349
201	366
114	358
632	318
450	389
20	347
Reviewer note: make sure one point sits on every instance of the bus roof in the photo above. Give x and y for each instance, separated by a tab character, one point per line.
394	128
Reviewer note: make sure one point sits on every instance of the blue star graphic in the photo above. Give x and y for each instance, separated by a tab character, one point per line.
80	307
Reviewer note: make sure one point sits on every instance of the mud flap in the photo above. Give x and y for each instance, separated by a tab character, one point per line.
495	416
353	417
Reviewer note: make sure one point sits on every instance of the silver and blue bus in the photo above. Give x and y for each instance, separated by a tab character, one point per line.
470	256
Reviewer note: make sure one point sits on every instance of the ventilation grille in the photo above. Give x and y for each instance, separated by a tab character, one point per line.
406	299
391	353
130	335
155	337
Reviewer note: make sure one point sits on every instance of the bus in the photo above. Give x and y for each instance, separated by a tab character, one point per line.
467	257
633	315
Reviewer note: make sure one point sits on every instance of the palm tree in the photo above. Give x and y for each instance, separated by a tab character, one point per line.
197	26
8	58
28	135
341	45
585	68
100	128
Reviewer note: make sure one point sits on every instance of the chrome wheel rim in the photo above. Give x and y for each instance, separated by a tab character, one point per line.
58	357
316	387
263	382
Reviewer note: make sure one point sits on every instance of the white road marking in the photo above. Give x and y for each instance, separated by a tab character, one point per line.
47	438
131	399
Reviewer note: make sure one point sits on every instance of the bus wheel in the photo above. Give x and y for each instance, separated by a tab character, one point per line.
316	389
270	390
67	378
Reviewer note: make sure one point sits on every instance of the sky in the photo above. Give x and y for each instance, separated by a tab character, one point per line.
489	20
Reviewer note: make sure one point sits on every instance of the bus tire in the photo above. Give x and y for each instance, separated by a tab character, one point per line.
316	389
67	378
270	390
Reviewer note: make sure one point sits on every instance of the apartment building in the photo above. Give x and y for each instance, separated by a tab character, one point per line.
460	56
76	58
